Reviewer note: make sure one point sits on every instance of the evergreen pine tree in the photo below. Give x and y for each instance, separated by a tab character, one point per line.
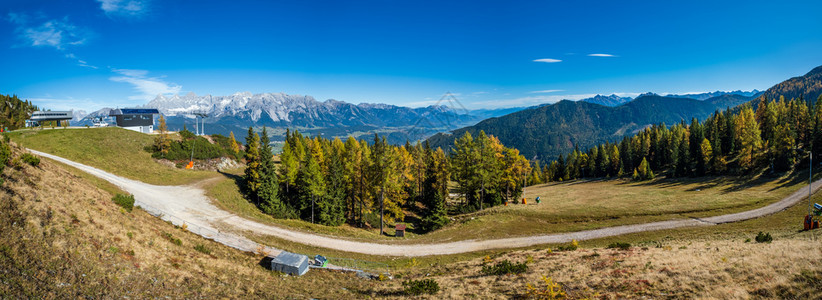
252	162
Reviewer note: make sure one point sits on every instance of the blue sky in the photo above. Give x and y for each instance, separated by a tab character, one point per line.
87	54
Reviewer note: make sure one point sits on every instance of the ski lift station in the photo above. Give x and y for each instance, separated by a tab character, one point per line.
290	263
43	116
137	119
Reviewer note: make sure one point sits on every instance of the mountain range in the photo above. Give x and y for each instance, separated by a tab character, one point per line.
330	117
546	131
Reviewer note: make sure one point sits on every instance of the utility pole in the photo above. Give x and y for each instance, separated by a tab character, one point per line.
312	208
810	182
382	196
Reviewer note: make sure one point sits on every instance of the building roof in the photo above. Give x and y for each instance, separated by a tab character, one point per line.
133	111
399	227
50	115
290	259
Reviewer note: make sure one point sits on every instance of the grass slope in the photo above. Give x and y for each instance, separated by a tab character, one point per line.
565	207
114	150
62	237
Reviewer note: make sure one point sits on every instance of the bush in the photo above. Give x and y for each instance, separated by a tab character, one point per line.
30	159
619	245
552	290
172	239
573	246
202	249
125	201
764	238
5	155
505	267
419	287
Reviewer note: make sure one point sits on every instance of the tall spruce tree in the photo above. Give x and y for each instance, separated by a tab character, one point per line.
268	189
253	167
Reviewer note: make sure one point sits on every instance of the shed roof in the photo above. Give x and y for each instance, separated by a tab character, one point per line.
291	259
399	227
133	111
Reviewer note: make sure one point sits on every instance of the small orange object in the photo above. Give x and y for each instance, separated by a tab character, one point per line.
506	203
190	165
523	201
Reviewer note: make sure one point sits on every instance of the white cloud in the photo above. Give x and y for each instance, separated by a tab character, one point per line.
601	55
544	91
51	33
67	103
127	8
148	87
548	60
83	63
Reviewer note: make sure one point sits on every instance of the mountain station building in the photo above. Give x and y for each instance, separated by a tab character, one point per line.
43	116
137	119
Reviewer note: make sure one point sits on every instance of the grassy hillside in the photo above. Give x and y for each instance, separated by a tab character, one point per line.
64	238
565	207
115	150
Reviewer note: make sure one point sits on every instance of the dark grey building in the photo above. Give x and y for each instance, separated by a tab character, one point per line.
290	263
137	119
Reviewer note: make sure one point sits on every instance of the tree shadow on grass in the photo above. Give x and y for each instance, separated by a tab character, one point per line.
238	180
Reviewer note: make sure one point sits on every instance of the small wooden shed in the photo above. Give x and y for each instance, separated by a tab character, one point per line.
290	263
399	230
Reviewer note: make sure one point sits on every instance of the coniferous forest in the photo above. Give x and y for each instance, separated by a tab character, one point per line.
332	182
774	135
14	111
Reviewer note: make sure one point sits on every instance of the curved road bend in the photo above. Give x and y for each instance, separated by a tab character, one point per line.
189	205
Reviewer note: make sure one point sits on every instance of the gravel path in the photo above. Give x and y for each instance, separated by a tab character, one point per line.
189	205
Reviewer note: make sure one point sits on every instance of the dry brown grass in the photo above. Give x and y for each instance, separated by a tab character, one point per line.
684	269
62	237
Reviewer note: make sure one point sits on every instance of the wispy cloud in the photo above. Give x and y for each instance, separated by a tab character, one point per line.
601	55
548	60
148	87
544	91
124	8
56	33
68	103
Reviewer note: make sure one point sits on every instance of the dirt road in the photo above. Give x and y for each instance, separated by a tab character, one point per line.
189	205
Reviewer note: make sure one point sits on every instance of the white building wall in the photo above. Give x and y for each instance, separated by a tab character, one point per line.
143	129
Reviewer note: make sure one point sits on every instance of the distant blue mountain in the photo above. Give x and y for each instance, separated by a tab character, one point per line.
612	100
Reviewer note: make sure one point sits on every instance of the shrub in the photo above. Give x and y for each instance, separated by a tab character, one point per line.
172	239
125	201
30	159
619	245
570	247
552	290
764	238
5	154
505	267
202	249
419	287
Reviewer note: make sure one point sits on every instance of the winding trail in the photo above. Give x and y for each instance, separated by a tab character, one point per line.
189	205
